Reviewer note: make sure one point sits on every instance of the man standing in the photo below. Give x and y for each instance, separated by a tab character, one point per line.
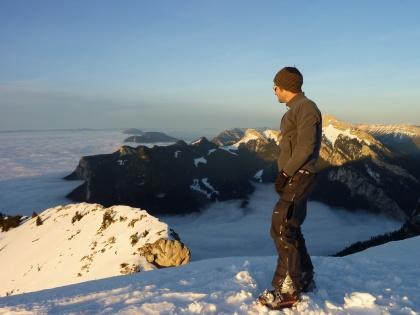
301	131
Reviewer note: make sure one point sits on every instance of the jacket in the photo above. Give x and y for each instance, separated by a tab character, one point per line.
301	130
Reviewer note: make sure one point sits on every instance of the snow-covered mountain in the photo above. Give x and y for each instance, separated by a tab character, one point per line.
357	170
360	170
380	280
83	242
234	136
404	139
344	142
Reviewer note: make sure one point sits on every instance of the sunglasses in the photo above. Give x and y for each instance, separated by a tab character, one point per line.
275	87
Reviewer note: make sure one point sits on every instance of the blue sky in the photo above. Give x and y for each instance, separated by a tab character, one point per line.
204	64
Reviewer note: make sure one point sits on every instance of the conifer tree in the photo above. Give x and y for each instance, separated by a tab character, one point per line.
38	221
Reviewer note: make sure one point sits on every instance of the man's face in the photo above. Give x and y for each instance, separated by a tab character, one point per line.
279	93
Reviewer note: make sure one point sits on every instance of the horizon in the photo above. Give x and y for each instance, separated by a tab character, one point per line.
152	129
72	65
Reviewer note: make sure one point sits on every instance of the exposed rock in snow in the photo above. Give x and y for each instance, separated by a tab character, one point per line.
166	253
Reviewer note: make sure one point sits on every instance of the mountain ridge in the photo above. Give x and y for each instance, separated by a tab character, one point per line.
357	171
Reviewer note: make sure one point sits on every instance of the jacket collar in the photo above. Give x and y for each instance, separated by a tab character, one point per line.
295	99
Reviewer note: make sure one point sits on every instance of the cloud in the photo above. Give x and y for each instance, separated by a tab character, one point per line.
224	229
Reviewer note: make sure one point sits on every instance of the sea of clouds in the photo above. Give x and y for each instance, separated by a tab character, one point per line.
33	164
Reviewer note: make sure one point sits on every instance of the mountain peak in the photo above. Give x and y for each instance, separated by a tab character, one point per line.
327	119
203	142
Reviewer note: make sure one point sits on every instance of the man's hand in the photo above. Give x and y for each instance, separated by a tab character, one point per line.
281	181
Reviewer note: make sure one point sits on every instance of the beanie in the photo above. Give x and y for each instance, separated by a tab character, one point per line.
290	79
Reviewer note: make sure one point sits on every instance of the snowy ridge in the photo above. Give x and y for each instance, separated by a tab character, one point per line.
250	134
397	130
380	280
236	136
272	134
76	243
333	128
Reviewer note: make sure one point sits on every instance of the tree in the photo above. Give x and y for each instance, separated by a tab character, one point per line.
38	221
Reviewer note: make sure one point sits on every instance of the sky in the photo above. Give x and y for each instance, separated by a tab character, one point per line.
204	64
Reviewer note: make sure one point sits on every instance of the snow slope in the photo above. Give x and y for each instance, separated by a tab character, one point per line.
76	243
380	280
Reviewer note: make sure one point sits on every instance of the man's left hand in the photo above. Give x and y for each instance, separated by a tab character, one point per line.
281	181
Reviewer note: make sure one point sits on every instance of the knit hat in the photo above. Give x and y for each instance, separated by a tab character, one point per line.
290	79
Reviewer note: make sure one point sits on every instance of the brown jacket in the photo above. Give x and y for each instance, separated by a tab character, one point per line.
301	130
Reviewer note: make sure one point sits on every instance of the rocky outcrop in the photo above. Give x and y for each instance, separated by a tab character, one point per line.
166	253
366	191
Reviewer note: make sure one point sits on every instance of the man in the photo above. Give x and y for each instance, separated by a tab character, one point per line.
301	130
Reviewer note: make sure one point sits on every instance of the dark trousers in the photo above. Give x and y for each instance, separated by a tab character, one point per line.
288	215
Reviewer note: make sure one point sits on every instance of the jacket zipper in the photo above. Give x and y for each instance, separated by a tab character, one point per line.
290	143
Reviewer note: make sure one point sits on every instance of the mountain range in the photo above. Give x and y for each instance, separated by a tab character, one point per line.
356	171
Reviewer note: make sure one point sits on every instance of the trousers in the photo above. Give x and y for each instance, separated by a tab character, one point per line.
289	213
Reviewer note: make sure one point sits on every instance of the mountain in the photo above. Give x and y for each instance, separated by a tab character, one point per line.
380	280
357	171
235	135
151	137
84	242
133	131
404	139
174	179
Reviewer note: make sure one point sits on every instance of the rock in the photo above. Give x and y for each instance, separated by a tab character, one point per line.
166	253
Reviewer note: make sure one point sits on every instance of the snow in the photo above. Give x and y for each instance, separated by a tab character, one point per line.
373	174
196	186
65	250
206	183
258	175
200	160
399	131
380	280
331	134
230	148
248	137
271	134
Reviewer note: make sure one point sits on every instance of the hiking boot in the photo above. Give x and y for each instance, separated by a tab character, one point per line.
308	283
276	300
